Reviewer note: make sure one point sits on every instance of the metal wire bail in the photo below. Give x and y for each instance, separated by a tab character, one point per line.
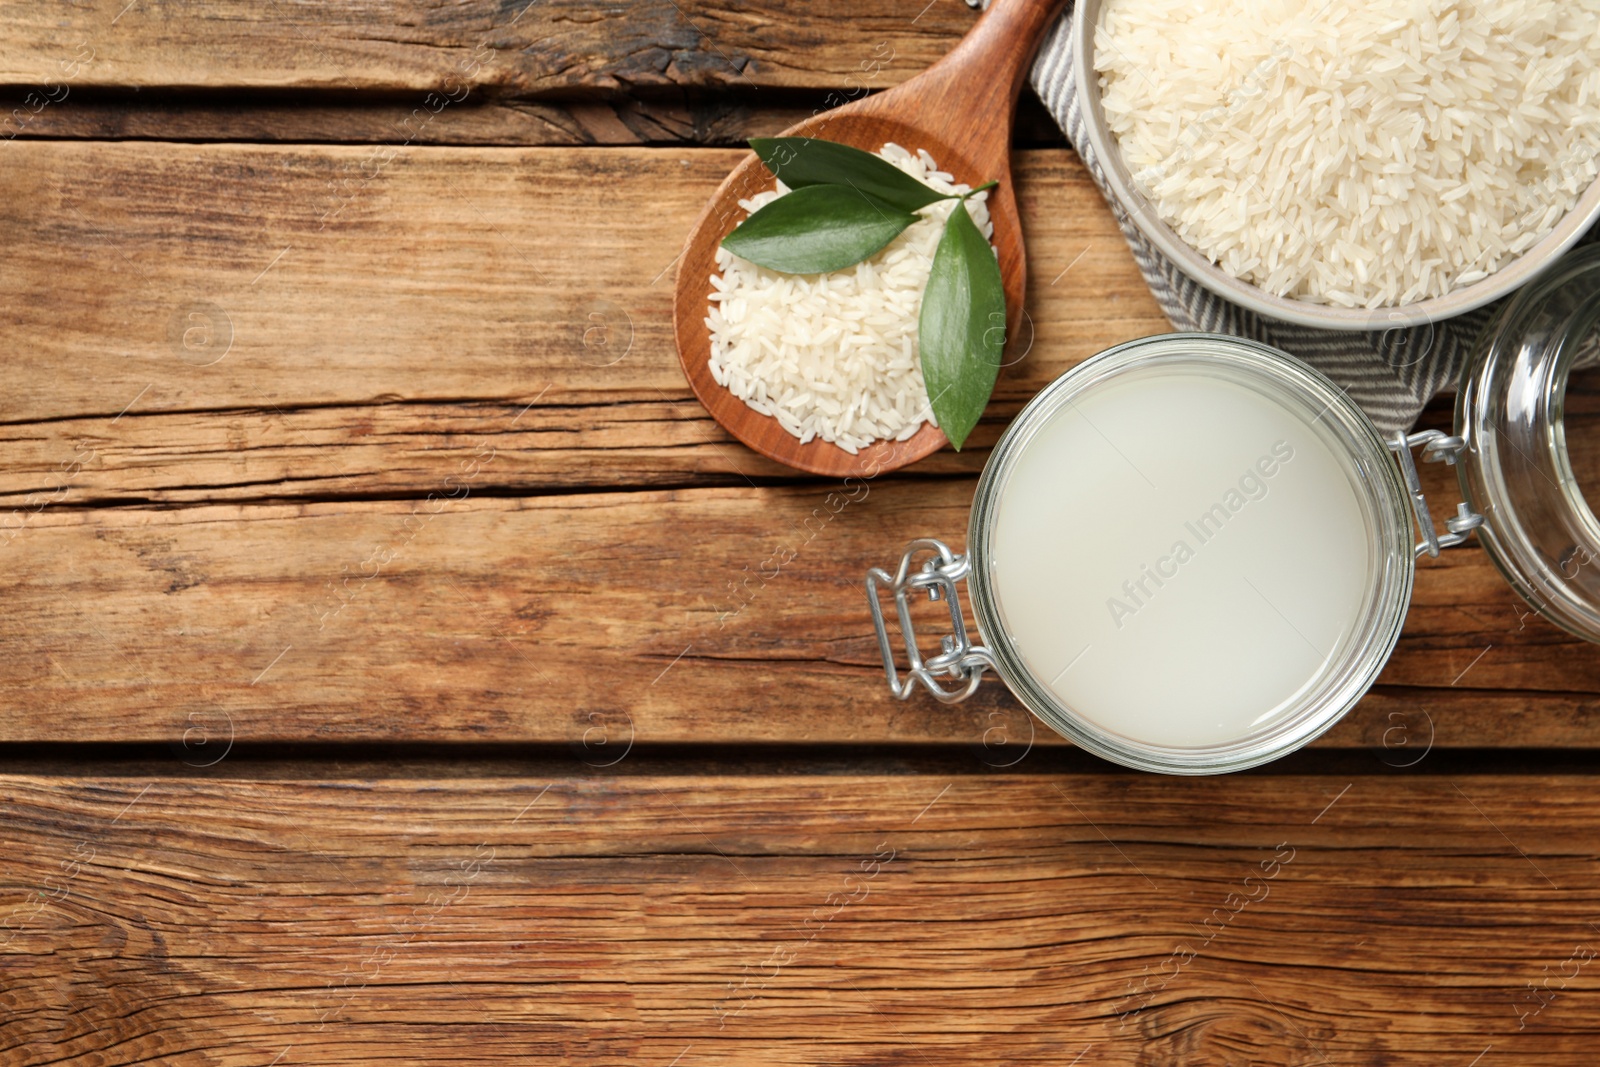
958	658
1437	446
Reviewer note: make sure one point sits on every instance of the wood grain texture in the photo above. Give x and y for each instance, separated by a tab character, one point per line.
800	920
495	46
146	278
959	111
715	614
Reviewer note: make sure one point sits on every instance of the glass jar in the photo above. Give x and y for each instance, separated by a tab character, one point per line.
1512	412
1192	554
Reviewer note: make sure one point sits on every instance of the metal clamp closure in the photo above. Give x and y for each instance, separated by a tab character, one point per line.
1436	446
958	657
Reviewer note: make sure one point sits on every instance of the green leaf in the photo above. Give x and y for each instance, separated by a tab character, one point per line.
805	161
962	329
817	229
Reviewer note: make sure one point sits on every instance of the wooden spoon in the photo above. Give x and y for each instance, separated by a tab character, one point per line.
960	111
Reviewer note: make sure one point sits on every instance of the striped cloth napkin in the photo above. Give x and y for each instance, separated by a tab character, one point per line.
1391	373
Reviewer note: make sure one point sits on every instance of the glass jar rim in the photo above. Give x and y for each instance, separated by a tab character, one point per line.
1386	502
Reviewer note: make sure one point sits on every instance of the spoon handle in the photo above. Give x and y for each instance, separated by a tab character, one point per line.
985	71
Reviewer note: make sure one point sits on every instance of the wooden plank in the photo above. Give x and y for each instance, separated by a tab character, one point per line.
533	47
688	615
246	279
801	920
334	362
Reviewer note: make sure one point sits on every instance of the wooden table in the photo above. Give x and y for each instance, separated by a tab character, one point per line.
393	668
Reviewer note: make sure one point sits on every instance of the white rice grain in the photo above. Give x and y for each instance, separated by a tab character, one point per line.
834	356
1364	153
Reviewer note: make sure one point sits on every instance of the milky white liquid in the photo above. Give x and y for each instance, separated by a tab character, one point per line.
1220	623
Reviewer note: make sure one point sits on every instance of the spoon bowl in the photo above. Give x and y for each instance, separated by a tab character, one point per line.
960	112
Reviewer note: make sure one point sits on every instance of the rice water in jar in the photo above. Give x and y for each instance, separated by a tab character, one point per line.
1189	554
1216	586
